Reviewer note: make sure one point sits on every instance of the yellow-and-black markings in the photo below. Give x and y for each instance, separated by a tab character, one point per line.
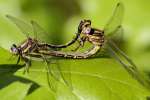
85	33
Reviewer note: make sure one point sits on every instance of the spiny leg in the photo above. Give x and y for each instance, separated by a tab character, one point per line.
81	42
18	60
27	65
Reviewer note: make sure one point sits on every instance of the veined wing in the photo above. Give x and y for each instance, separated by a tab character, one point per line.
40	34
43	36
112	26
24	27
62	72
127	63
115	21
36	31
55	72
27	29
59	72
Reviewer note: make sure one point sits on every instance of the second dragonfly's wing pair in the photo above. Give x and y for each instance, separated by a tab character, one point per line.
111	28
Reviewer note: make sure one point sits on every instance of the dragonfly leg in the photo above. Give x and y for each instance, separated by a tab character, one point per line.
18	60
81	42
79	45
27	65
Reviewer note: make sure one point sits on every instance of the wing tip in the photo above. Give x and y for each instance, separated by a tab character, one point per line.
119	3
7	15
32	22
10	17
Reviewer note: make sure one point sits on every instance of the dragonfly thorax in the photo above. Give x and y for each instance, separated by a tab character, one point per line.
84	26
28	46
95	36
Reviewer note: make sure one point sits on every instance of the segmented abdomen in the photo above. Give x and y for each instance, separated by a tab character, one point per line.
87	54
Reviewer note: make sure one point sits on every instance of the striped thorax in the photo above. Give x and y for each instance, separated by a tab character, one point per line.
94	36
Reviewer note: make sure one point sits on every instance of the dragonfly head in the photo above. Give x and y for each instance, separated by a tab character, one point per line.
84	26
14	49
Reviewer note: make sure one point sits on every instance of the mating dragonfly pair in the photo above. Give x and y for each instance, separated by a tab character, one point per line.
37	47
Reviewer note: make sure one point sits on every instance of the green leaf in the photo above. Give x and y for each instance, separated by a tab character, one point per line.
15	91
41	94
92	79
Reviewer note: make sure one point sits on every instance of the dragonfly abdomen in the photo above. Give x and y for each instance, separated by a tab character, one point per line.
87	54
45	45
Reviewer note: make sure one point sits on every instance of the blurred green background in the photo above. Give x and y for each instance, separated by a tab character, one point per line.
61	18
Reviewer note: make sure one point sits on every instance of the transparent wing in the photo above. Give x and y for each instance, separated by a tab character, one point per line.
127	63
34	31
40	33
61	72
52	75
43	36
55	72
115	21
66	75
117	37
114	26
24	27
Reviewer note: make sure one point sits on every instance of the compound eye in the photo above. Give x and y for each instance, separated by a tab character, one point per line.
14	49
14	45
86	25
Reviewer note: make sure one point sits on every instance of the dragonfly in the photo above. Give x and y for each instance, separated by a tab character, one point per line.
29	50
87	33
98	38
93	35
